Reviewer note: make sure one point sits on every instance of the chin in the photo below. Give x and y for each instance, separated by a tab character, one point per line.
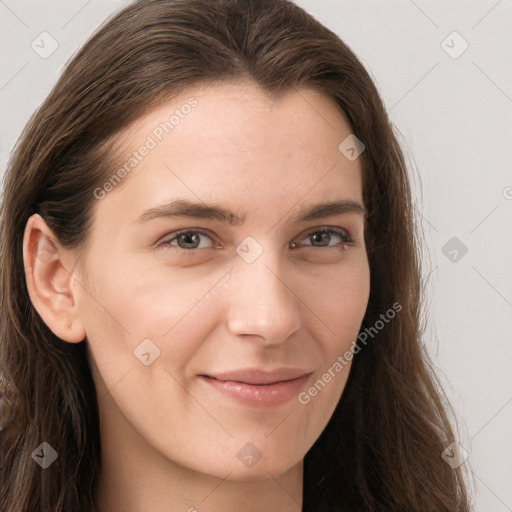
259	472
261	469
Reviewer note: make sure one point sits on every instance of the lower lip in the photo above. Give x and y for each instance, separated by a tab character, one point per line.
265	395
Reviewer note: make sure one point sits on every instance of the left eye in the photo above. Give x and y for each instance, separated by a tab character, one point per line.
326	235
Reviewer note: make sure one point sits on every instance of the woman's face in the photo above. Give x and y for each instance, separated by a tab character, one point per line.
165	313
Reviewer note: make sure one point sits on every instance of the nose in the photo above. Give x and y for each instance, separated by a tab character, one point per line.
261	302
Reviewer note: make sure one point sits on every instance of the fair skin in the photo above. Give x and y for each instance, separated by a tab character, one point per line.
169	439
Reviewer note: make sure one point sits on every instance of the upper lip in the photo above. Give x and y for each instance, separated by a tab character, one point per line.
257	376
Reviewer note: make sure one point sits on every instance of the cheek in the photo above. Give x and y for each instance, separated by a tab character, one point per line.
340	306
339	300
122	308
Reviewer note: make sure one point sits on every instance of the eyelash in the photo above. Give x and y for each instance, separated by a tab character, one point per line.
347	240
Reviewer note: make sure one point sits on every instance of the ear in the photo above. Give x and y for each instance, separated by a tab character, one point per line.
49	270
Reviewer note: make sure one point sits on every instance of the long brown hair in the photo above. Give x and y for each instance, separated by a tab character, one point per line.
382	447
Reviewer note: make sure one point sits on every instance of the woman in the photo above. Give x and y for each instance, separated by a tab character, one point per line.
210	279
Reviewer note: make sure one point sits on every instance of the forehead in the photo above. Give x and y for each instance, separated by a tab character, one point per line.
232	143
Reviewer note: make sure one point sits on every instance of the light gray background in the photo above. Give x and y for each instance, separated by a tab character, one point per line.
453	117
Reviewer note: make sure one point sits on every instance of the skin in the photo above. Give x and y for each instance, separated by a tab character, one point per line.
170	441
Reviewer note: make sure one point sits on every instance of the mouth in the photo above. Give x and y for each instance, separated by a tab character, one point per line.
247	382
258	388
257	377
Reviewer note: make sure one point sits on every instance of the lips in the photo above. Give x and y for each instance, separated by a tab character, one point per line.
258	388
258	377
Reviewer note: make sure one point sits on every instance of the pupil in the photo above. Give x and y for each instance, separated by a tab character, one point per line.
321	235
187	236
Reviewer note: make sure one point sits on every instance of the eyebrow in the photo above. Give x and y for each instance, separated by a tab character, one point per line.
181	207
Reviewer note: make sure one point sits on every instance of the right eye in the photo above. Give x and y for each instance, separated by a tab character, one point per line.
186	240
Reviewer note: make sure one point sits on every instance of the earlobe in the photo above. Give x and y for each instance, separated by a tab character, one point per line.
49	271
